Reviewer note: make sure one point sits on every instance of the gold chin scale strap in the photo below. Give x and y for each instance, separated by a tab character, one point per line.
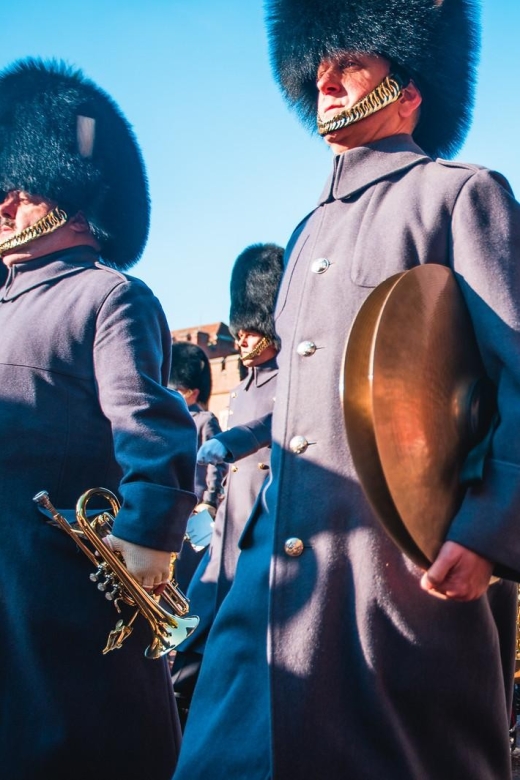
47	224
260	347
387	92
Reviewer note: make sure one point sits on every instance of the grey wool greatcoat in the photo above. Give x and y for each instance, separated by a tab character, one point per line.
248	441
343	668
84	362
208	488
208	479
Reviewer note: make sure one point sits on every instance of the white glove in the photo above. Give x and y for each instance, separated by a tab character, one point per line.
151	568
205	507
212	451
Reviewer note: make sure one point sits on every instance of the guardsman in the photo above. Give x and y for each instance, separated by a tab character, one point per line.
84	362
190	375
333	655
245	446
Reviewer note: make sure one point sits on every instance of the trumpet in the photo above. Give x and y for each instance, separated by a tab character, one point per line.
113	579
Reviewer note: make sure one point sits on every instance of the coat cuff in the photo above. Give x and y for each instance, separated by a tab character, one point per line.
488	521
153	516
240	442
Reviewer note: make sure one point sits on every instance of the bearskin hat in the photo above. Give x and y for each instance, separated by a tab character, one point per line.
64	138
190	369
435	42
255	279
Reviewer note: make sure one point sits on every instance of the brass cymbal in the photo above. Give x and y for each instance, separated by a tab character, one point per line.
412	397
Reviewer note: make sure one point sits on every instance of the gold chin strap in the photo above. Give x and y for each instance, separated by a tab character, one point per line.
387	92
260	347
47	224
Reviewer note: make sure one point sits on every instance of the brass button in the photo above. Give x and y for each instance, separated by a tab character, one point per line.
234	468
263	466
306	348
320	265
293	547
298	444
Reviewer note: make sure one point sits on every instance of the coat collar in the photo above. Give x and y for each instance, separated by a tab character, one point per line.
260	375
25	276
358	168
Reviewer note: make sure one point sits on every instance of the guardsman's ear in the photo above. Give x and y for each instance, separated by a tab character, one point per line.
410	100
79	224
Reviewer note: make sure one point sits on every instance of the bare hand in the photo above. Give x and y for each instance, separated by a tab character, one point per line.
151	568
212	451
457	573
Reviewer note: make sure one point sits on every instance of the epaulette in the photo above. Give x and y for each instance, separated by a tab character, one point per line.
458	164
496	175
110	269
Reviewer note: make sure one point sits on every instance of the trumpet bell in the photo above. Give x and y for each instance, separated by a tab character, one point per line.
170	636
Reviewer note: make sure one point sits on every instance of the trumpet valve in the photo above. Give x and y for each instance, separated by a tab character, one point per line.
108	582
100	572
113	594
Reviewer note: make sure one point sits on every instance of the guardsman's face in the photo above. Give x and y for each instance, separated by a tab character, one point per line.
246	342
344	81
20	210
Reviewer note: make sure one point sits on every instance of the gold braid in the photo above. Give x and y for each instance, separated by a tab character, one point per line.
385	93
47	224
260	347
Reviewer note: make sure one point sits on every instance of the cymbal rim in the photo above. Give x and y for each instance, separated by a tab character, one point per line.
410	362
357	397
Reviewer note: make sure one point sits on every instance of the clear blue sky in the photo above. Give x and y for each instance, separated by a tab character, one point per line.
228	163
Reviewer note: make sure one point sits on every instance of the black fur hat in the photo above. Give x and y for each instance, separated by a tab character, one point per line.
435	42
254	286
65	139
190	369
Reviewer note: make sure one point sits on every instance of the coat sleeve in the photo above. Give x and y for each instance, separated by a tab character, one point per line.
486	259
153	433
214	473
244	440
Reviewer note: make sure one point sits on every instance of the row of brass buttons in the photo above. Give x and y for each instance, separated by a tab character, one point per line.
298	444
261	466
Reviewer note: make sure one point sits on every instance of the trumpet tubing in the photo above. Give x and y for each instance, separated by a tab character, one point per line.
169	629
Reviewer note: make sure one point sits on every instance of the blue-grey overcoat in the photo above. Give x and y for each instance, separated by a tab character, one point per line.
249	455
208	489
342	667
208	478
84	361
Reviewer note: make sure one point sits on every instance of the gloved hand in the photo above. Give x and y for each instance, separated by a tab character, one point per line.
151	568
212	451
202	506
